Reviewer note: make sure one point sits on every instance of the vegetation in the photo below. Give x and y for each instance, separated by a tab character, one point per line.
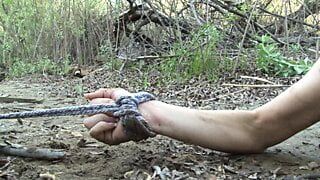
271	61
200	39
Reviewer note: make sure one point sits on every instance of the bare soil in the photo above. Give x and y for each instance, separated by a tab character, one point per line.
158	158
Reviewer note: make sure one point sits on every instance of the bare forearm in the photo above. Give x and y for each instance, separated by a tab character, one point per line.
228	131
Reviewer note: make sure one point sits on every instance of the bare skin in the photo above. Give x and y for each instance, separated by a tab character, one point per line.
233	131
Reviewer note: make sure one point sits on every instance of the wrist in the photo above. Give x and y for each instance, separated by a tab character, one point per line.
151	111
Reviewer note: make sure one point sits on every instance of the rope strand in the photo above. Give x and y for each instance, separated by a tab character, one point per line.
125	108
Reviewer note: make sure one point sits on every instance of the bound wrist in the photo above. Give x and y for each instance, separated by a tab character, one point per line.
150	111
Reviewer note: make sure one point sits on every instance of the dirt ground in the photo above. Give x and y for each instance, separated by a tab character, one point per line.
157	158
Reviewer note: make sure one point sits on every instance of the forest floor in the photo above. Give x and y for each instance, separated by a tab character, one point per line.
160	157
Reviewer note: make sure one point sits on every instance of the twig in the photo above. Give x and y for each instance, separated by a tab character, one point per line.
243	38
35	153
8	162
222	8
258	79
195	14
257	85
290	19
146	57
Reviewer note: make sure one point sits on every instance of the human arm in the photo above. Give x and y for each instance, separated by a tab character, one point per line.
234	131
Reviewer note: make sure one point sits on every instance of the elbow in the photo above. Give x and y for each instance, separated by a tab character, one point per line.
257	147
262	135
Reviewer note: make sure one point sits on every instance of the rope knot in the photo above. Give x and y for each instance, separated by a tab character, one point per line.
132	120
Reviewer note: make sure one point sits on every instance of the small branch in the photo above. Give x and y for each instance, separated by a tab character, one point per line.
243	38
5	163
290	19
20	100
258	79
257	85
199	20
146	57
35	153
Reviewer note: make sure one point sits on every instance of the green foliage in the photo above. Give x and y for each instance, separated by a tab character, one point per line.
271	61
21	68
36	30
197	56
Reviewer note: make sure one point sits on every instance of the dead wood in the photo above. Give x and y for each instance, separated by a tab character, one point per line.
34	153
144	14
20	100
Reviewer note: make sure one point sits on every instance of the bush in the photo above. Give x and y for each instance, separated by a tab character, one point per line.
197	56
271	61
21	68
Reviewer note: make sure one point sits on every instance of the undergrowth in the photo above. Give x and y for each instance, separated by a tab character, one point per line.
197	56
271	61
45	66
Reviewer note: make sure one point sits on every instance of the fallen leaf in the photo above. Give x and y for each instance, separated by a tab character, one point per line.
128	174
47	176
253	176
304	168
76	134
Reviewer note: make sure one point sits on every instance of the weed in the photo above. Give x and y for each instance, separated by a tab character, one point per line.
196	56
271	61
20	68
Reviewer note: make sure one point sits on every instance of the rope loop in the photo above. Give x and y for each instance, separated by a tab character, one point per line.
132	120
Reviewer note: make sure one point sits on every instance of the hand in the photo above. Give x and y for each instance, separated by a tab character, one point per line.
103	127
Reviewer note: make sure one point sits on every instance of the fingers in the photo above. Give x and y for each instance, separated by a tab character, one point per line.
91	121
105	129
113	93
101	101
102	131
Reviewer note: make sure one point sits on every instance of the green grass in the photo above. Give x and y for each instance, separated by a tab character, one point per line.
21	68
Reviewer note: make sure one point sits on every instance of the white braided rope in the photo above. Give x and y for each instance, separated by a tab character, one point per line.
125	108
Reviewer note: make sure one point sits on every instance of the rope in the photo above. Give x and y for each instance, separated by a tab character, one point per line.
125	108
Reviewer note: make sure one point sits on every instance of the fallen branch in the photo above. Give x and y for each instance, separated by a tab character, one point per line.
146	14
290	19
20	100
35	153
257	85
